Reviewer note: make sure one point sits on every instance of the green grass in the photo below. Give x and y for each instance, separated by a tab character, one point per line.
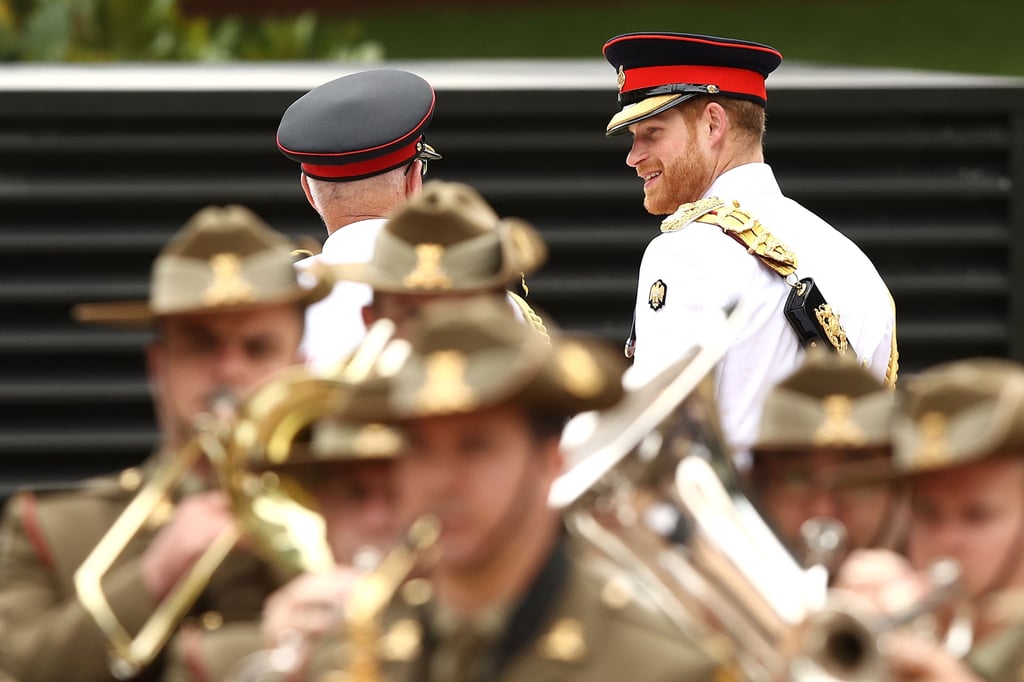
982	36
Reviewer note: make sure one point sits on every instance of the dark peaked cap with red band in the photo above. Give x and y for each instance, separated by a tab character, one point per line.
360	125
657	71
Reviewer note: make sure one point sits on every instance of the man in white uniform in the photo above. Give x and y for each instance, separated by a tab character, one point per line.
695	107
360	142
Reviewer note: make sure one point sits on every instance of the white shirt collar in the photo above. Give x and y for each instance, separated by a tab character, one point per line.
338	243
750	178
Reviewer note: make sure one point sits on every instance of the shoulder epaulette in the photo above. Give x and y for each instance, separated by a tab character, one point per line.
530	315
739	225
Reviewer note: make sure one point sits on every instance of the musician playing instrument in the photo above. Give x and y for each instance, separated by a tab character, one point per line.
227	311
482	399
830	412
957	443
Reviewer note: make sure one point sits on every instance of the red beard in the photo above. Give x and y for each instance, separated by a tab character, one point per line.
684	179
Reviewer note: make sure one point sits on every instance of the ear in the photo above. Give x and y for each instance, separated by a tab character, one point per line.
554	460
414	179
715	122
304	181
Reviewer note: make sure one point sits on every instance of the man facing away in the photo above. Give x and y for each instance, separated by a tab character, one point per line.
695	106
360	143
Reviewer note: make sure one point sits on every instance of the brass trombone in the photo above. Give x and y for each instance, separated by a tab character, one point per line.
130	653
237	439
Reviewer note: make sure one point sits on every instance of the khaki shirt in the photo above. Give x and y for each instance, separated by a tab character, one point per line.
586	631
1000	656
45	633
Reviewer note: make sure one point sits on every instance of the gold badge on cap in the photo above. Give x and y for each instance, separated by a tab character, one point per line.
228	286
656	297
428	273
839	429
933	449
621	77
445	388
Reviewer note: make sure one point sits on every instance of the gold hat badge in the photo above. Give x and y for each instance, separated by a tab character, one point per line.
445	387
428	273
229	286
933	449
839	429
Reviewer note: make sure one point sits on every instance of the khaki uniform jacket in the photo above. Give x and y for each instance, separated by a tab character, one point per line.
583	627
45	633
1000	657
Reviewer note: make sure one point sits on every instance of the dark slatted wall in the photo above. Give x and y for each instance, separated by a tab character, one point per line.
93	183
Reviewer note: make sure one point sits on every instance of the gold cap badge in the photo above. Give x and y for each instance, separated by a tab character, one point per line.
621	77
228	286
428	273
445	387
839	429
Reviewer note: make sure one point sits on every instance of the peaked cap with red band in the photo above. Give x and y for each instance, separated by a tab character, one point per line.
359	125
657	71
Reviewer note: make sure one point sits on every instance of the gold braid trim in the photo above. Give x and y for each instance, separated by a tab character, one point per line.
748	231
893	368
530	315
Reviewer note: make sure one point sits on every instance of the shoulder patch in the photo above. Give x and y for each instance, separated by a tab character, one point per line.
687	213
656	296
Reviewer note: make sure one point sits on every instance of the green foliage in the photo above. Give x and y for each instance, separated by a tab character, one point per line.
157	30
959	35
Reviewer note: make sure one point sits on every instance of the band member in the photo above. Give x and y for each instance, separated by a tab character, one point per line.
831	412
957	445
482	399
227	312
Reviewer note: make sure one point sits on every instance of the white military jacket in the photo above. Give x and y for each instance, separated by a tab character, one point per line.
334	325
688	276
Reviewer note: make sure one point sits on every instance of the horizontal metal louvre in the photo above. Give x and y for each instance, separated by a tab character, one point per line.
92	184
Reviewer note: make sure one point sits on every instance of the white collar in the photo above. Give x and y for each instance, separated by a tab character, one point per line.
750	178
338	243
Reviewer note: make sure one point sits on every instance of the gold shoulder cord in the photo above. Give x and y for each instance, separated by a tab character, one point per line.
531	316
893	368
759	242
747	230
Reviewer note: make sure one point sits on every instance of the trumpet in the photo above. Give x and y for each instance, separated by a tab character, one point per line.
238	439
654	488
